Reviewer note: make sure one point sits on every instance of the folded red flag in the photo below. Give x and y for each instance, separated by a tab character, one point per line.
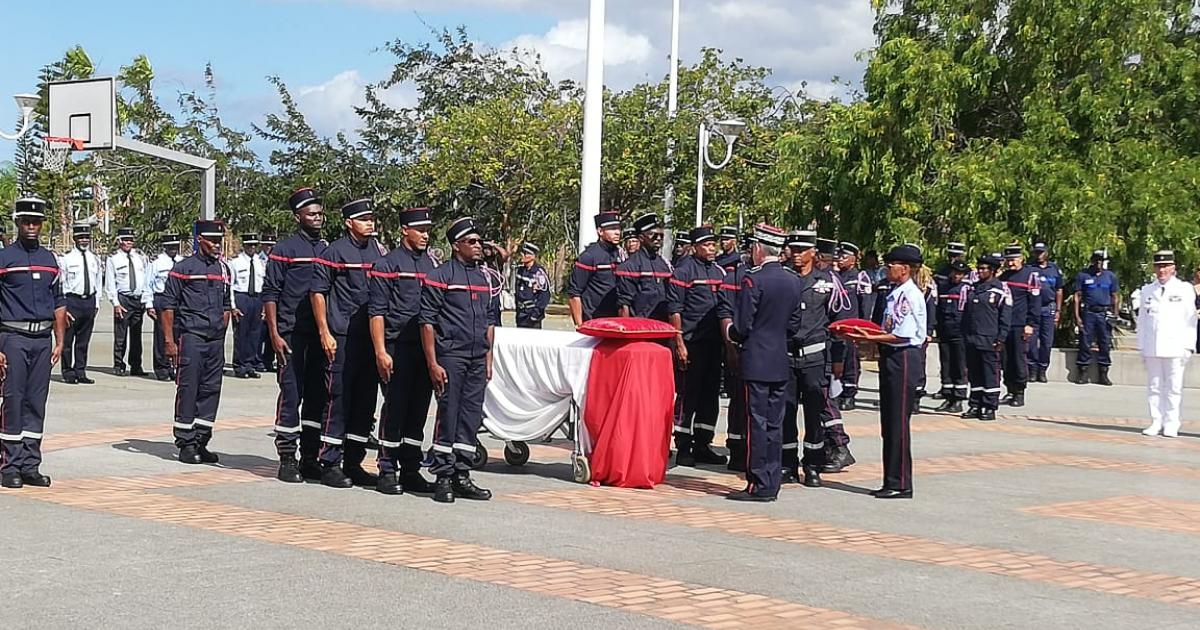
854	326
627	328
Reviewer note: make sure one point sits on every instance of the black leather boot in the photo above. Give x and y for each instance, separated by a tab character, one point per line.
703	454
443	490
464	488
812	477
389	483
333	477
413	481
310	468
1103	380
189	455
972	412
289	470
359	476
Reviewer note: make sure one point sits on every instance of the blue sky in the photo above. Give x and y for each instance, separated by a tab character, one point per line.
325	49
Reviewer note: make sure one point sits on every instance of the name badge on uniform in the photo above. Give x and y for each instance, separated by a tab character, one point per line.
1089	281
37	275
1175	298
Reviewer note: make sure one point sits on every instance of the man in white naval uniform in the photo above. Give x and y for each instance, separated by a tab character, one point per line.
1166	335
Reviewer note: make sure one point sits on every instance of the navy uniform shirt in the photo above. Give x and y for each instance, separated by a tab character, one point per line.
697	294
823	299
642	285
30	289
1051	280
291	268
198	291
860	289
952	300
533	291
454	301
1097	289
987	315
341	274
730	261
1026	295
767	299
594	282
395	291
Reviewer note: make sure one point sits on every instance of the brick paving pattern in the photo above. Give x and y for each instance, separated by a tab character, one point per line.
1132	511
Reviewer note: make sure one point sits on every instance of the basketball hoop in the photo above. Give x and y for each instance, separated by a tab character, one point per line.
54	157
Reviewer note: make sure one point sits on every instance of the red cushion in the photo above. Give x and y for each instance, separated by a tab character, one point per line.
627	328
854	326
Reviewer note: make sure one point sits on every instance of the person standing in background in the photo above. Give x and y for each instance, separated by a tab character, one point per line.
124	283
1166	328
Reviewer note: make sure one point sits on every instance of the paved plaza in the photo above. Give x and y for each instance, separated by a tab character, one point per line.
1060	515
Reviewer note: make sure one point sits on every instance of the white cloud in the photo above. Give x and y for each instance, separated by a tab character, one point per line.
329	106
563	48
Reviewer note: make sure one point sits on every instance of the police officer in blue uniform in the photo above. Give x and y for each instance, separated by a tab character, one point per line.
395	304
301	363
81	281
31	305
156	283
533	288
986	321
642	279
697	302
1097	294
859	287
197	306
1050	279
763	321
952	296
339	297
592	288
1022	283
456	338
900	345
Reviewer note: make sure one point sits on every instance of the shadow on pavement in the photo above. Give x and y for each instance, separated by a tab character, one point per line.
166	450
1100	426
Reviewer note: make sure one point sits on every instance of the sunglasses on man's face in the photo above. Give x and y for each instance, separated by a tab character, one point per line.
471	241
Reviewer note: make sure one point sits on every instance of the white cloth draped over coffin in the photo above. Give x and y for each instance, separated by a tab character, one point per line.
536	374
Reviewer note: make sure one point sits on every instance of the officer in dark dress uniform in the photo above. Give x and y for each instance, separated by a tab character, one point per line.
592	287
31	305
339	297
642	280
1022	283
682	247
900	345
533	288
952	296
629	243
763	321
395	303
729	257
301	363
986	320
1097	294
1050	279
954	253
697	302
457	342
859	287
197	306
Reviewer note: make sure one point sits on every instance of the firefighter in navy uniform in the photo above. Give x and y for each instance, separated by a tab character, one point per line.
197	306
630	243
457	342
533	288
860	287
156	282
986	320
592	288
300	361
952	295
954	253
1023	286
339	297
763	321
642	279
395	304
729	257
682	247
31	305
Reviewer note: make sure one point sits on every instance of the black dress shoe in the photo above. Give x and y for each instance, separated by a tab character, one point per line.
119	371
138	372
937	395
333	477
243	375
464	488
189	455
443	490
789	475
162	377
11	480
745	495
683	457
1041	376
888	493
35	479
253	375
359	476
1016	400
289	470
704	454
950	406
415	483
812	477
846	404
839	461
70	380
987	415
310	469
84	380
207	456
389	483
972	412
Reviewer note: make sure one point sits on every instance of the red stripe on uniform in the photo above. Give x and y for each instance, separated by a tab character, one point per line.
53	270
285	259
200	276
584	267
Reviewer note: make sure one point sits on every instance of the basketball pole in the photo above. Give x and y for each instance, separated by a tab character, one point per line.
208	168
593	126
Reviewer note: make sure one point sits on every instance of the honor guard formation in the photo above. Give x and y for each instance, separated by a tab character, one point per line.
341	322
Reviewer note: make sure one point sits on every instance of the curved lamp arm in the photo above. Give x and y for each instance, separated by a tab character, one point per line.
728	153
26	103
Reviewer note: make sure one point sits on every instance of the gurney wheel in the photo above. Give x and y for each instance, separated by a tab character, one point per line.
516	453
583	472
481	457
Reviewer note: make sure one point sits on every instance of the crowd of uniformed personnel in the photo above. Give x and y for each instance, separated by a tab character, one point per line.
342	321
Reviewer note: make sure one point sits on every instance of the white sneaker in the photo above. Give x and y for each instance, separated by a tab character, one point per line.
1171	432
1152	430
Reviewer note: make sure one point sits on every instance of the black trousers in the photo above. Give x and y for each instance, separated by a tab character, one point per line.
406	405
525	318
898	372
698	394
198	388
821	417
952	354
353	384
765	404
303	397
851	370
162	367
128	328
266	351
247	333
735	420
983	370
26	386
1016	366
459	416
79	335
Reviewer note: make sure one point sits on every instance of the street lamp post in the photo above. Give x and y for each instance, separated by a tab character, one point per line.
593	126
26	102
727	129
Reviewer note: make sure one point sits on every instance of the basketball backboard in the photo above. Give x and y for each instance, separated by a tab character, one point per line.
85	110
